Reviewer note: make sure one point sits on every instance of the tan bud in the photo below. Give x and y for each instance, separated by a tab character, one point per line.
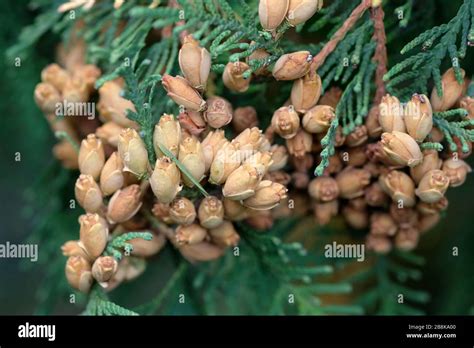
47	97
391	113
165	180
261	220
109	133
279	157
382	224
375	196
419	117
211	212
374	129
456	171
306	92
89	73
191	155
352	182
244	117
111	177
226	160
249	141
407	238
432	186
224	235
286	122
300	144
148	248
400	187
267	196
233	77
335	165
467	103
124	204
162	212
355	218
93	233
331	97
91	156
213	142
182	211
300	180
67	154
234	210
428	222
432	208
104	268
402	149
323	189
88	194
132	152
354	156
192	122
357	137
203	251
219	112
324	212
195	62
183	93
78	273
300	11
113	106
403	216
55	75
168	134
452	91
76	90
431	161
278	176
376	154
292	66
260	160
74	248
190	234
381	245
260	55
272	13
358	203
242	182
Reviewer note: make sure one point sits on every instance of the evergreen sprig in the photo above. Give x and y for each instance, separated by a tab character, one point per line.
119	244
453	125
100	305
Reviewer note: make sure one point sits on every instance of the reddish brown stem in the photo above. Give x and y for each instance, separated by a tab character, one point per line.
380	56
339	35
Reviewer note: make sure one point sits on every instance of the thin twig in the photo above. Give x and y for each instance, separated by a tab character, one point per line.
380	56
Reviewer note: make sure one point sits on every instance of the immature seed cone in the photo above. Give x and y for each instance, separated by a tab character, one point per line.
91	156
165	180
244	117
452	91
74	248
374	129
88	194
352	182
357	137
195	62
467	103
306	91
233	77
279	157
324	212
261	161
148	248
203	251
183	93
124	204
211	212
132	152
433	186
278	176
431	161
104	268
375	196
267	196
213	142
226	160
381	245
47	97
428	222
261	55
382	224
109	133
403	215
391	114
419	117
219	112
78	273
272	13
323	189
249	141
192	122
355	218
407	238
456	171
224	235
300	144
190	234
235	211
400	187
112	106
89	73
182	211
191	155
354	156
292	66
111	177
167	133
93	234
318	119
402	149
242	182
286	122
75	90
432	208
55	75
300	11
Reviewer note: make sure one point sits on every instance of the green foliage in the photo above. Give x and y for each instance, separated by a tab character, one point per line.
100	305
119	244
453	125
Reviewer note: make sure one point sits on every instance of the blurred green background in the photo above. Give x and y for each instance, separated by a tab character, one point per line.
33	187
